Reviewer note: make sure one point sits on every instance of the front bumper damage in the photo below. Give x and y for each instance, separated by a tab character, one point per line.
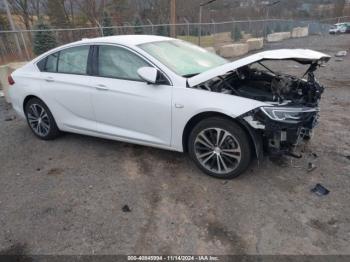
279	137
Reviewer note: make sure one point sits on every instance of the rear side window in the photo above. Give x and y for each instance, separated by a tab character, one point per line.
73	60
51	63
41	64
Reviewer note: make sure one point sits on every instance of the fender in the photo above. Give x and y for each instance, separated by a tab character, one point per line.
255	137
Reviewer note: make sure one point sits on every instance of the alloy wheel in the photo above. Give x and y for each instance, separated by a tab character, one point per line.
38	120
217	150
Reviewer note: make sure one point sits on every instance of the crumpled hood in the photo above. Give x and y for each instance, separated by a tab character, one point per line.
304	56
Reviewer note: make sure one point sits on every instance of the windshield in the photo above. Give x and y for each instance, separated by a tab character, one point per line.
183	58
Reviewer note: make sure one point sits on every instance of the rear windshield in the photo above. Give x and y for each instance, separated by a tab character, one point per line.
183	58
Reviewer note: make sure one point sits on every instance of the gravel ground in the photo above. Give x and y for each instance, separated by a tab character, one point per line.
68	196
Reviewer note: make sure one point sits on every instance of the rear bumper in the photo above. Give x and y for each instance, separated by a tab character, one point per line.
16	104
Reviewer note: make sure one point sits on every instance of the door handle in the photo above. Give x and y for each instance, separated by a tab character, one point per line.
179	106
102	87
49	79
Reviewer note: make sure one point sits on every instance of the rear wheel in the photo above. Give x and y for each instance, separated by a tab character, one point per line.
40	119
220	148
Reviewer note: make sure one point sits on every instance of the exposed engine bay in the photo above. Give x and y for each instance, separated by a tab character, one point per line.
293	110
268	86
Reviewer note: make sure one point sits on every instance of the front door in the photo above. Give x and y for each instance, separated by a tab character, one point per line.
125	106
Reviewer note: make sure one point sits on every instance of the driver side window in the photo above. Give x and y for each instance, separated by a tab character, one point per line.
117	62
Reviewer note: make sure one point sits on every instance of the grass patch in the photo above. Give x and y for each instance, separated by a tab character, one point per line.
206	41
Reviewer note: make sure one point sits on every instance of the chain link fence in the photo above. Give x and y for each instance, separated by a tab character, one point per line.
18	45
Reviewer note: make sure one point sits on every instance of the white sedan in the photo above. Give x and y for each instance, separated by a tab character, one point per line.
170	94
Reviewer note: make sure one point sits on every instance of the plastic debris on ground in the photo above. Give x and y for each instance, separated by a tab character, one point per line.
311	167
10	118
341	53
126	208
320	190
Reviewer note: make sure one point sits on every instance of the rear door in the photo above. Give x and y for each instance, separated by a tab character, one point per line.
125	106
66	88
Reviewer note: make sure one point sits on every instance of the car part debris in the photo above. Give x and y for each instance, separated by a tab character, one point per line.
279	160
295	155
126	208
311	167
341	53
2	94
10	118
320	190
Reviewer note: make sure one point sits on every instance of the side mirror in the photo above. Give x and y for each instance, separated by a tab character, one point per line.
149	74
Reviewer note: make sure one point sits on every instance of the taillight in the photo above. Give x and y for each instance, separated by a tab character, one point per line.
10	80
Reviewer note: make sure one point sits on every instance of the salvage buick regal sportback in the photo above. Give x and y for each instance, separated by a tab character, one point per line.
170	94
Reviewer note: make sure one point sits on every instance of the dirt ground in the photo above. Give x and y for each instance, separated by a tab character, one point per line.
68	196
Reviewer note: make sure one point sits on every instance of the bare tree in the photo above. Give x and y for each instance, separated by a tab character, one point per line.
21	8
339	8
93	10
58	13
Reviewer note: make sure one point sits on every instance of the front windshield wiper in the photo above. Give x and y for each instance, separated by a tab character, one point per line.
190	75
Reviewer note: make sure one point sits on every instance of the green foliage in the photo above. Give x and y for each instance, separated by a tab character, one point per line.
162	30
278	28
138	29
107	22
267	30
43	40
4	25
194	31
287	28
236	33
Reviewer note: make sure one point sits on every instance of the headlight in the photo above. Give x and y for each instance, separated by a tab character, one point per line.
288	114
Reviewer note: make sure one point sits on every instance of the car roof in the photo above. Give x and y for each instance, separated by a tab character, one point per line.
129	40
126	40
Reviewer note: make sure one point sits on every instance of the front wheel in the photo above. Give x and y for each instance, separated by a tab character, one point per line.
220	148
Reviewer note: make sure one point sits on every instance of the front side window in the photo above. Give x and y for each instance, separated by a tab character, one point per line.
117	62
73	60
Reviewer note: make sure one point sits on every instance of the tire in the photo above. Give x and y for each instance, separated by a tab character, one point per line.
225	158
41	120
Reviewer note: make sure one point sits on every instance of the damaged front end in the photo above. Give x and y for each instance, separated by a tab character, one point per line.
291	116
282	128
292	103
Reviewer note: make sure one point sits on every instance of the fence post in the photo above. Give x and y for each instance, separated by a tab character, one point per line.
9	16
99	27
25	46
200	25
249	26
188	27
152	27
214	26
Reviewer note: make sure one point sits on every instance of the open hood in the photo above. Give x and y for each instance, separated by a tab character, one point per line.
303	56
